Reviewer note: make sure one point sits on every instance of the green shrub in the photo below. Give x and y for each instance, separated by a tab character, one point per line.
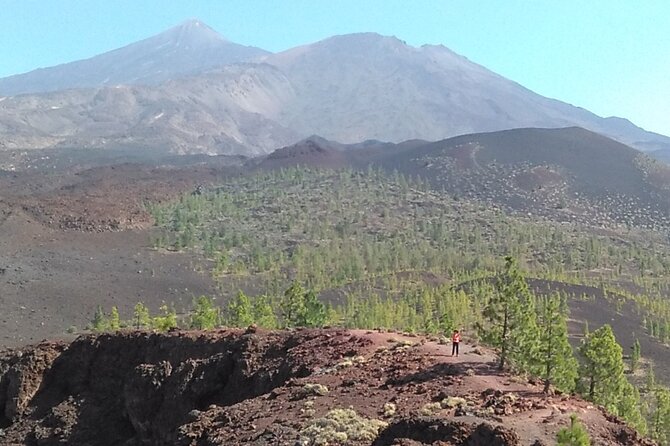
389	410
575	435
340	426
310	389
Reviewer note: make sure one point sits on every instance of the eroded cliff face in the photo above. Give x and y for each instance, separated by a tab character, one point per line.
273	388
21	374
135	387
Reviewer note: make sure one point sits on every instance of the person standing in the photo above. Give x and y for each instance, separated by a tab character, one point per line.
455	340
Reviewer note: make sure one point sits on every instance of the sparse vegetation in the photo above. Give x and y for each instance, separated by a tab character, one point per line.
166	320
430	409
379	250
367	224
453	401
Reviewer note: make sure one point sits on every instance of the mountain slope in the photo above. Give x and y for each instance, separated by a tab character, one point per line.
225	111
594	163
366	86
569	174
189	48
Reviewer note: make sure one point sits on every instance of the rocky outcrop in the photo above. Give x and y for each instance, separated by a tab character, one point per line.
21	374
433	430
233	387
112	389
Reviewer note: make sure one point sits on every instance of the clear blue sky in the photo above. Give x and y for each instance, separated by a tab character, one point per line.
609	56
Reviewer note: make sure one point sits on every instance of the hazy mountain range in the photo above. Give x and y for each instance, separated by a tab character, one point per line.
189	90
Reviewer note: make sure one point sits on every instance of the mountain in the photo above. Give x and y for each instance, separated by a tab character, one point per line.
189	48
366	86
187	91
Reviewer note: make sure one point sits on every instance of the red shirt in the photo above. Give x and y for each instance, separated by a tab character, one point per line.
456	338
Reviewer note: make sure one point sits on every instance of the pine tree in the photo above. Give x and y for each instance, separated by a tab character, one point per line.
264	314
524	352
575	435
205	315
447	324
603	371
512	320
99	322
293	305
635	355
559	366
629	407
240	312
302	308
602	367
315	311
660	420
166	320
141	316
114	319
651	378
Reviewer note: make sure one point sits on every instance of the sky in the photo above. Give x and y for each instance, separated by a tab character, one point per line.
611	57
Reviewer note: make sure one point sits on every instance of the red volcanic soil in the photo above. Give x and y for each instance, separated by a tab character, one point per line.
277	388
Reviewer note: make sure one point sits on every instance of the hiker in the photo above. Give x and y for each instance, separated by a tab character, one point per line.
455	340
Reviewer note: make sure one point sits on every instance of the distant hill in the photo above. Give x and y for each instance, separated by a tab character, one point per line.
567	174
311	152
593	164
188	90
189	48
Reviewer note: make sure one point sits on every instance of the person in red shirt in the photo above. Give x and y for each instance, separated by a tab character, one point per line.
455	340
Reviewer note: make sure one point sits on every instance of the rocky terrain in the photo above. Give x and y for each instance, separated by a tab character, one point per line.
76	233
304	387
149	175
73	238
